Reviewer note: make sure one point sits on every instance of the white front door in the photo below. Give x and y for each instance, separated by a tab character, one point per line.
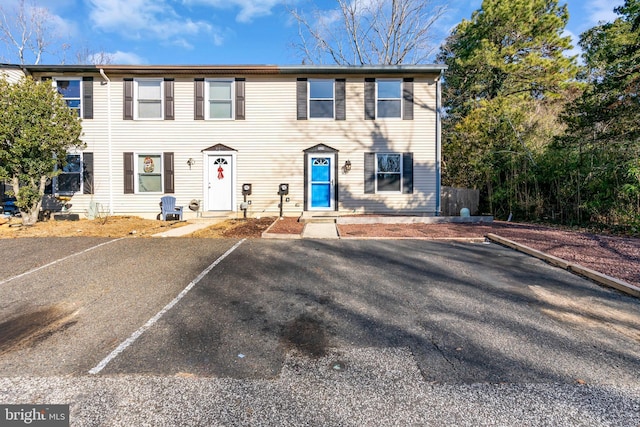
220	183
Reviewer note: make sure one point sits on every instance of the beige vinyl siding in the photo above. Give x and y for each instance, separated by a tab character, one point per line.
95	137
12	75
268	147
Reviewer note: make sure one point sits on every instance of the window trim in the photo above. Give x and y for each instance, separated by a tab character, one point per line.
400	173
332	99
207	100
80	98
400	99
136	172
136	99
55	183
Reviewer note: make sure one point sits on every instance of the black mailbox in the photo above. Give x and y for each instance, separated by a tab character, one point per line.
246	189
283	189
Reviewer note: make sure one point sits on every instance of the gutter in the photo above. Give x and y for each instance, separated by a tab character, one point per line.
109	141
438	141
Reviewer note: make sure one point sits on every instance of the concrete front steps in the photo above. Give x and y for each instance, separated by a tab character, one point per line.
319	217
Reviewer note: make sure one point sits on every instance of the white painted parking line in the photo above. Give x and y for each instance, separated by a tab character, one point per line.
33	270
126	343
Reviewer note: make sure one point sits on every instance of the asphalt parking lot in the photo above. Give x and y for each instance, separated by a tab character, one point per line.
312	332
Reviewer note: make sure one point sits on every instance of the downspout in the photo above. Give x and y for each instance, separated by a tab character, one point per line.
109	143
438	140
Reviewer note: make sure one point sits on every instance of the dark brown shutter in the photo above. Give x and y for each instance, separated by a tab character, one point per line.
301	98
128	174
240	99
168	173
87	97
369	99
87	173
198	100
407	99
168	100
127	99
341	107
369	173
407	173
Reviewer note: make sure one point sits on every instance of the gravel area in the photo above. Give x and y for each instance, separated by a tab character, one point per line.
611	255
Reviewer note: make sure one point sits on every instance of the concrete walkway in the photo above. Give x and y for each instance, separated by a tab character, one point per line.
320	230
312	230
187	229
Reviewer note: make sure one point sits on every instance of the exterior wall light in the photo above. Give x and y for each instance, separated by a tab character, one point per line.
347	166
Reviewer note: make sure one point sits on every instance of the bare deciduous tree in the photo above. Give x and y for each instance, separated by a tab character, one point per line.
86	55
27	31
362	32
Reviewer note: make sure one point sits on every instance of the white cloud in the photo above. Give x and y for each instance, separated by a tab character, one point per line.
602	10
249	9
125	58
152	19
56	25
62	27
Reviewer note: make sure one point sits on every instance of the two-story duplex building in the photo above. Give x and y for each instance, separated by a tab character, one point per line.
346	139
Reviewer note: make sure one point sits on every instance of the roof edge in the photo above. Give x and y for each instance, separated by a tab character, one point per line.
238	69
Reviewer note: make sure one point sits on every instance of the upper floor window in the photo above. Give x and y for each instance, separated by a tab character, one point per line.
220	96
321	99
148	98
388	98
71	91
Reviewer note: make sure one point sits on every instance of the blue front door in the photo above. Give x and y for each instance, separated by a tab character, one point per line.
321	181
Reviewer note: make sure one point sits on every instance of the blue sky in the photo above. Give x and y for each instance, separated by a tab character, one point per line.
222	31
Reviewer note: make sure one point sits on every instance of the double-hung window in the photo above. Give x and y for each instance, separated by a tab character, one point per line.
71	91
389	98
69	181
388	172
321	99
220	96
149	172
148	99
